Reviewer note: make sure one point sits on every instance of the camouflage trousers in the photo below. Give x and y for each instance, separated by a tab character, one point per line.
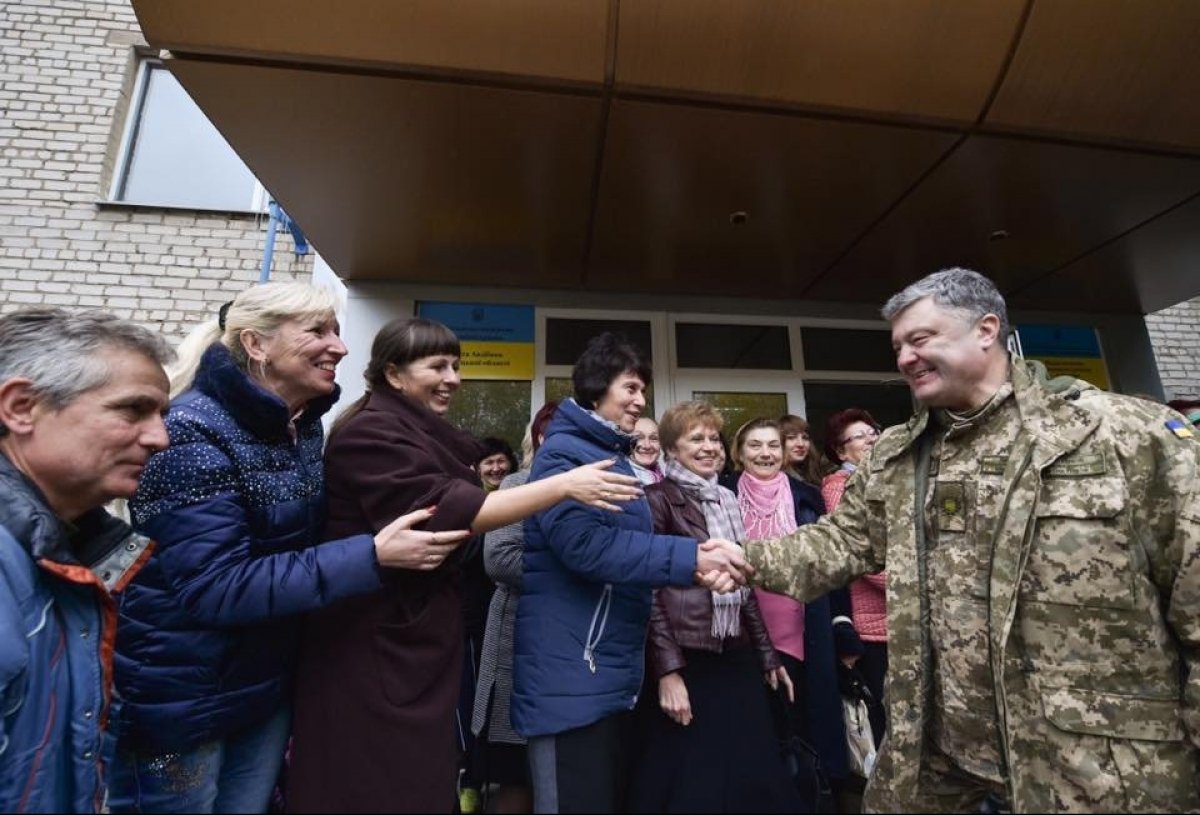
944	787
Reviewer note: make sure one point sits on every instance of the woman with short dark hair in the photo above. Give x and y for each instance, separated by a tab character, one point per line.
380	675
581	623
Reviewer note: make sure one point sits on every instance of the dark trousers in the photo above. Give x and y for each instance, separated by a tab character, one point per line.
582	770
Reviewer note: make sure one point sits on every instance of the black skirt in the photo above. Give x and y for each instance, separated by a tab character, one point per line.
727	759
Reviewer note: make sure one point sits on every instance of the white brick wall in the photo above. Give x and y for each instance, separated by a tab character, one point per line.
1175	335
66	67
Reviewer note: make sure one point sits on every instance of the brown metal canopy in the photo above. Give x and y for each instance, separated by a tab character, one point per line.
607	145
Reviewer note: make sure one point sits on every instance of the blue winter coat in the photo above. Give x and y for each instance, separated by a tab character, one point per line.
209	630
57	623
579	643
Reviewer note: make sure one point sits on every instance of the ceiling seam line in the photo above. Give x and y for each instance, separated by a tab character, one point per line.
996	86
900	199
606	96
1103	244
1002	74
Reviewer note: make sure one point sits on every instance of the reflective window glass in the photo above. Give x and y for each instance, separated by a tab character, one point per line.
719	345
566	338
492	407
176	157
847	349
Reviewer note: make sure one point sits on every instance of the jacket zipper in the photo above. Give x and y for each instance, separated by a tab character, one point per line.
1001	705
595	633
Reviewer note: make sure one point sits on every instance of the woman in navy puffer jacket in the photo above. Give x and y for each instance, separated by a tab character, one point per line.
208	632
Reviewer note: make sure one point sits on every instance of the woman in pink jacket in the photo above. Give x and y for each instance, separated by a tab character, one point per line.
849	436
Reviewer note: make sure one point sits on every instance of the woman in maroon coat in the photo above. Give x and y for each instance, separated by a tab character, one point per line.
379	676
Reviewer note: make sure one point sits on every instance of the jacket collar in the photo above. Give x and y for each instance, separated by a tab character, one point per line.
25	514
1047	407
462	445
254	407
571	418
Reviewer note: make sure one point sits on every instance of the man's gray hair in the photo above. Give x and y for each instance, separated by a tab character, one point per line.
962	289
60	351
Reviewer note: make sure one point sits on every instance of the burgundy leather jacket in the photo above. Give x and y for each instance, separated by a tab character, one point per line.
682	617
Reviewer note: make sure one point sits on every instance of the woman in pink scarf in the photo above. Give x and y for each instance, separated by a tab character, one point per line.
773	504
849	436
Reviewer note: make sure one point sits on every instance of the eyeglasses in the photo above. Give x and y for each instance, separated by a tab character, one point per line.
865	434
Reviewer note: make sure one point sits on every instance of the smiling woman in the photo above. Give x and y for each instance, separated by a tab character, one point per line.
209	630
380	675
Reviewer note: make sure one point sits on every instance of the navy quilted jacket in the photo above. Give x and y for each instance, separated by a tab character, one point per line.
579	643
209	630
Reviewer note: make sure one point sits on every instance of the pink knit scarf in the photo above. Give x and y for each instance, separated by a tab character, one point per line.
767	507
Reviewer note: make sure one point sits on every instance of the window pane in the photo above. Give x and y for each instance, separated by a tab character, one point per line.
758	347
178	158
847	349
566	338
738	408
888	402
560	387
490	407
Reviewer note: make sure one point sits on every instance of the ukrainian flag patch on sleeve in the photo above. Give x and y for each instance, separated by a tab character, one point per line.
1179	429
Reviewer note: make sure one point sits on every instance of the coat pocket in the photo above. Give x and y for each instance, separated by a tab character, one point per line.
1080	549
1131	744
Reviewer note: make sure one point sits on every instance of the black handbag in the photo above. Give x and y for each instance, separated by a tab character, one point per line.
801	761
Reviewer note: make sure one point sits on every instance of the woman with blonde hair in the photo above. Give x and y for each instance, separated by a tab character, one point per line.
209	630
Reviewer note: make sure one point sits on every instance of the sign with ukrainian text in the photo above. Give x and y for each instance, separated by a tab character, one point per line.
497	340
1066	350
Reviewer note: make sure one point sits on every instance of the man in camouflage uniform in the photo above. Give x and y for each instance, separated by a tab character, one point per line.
1042	544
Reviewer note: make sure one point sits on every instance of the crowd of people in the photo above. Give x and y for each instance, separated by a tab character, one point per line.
635	616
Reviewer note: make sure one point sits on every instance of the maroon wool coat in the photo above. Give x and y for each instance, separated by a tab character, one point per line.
379	675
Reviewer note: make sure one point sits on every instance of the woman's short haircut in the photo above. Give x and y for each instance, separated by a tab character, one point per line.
836	426
739	438
494	445
681	418
606	357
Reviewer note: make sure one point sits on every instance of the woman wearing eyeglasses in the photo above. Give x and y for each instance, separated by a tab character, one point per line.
849	436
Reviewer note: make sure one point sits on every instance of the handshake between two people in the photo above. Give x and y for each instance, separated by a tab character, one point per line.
721	566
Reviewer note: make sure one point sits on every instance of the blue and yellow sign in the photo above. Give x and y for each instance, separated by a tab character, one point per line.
497	340
1066	350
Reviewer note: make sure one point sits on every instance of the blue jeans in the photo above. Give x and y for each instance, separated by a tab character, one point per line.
235	774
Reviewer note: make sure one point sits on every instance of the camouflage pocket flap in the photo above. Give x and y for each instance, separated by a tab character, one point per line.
1115	715
1082	498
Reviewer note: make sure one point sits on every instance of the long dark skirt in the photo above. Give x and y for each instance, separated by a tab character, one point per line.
727	759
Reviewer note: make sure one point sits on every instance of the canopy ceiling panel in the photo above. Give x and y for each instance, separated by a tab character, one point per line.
674	174
1149	269
1111	69
1054	201
412	180
559	39
605	144
923	58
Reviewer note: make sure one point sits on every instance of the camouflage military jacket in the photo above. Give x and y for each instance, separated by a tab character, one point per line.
1093	601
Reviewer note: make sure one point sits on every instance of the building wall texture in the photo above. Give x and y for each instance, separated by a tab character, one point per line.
66	74
1175	335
